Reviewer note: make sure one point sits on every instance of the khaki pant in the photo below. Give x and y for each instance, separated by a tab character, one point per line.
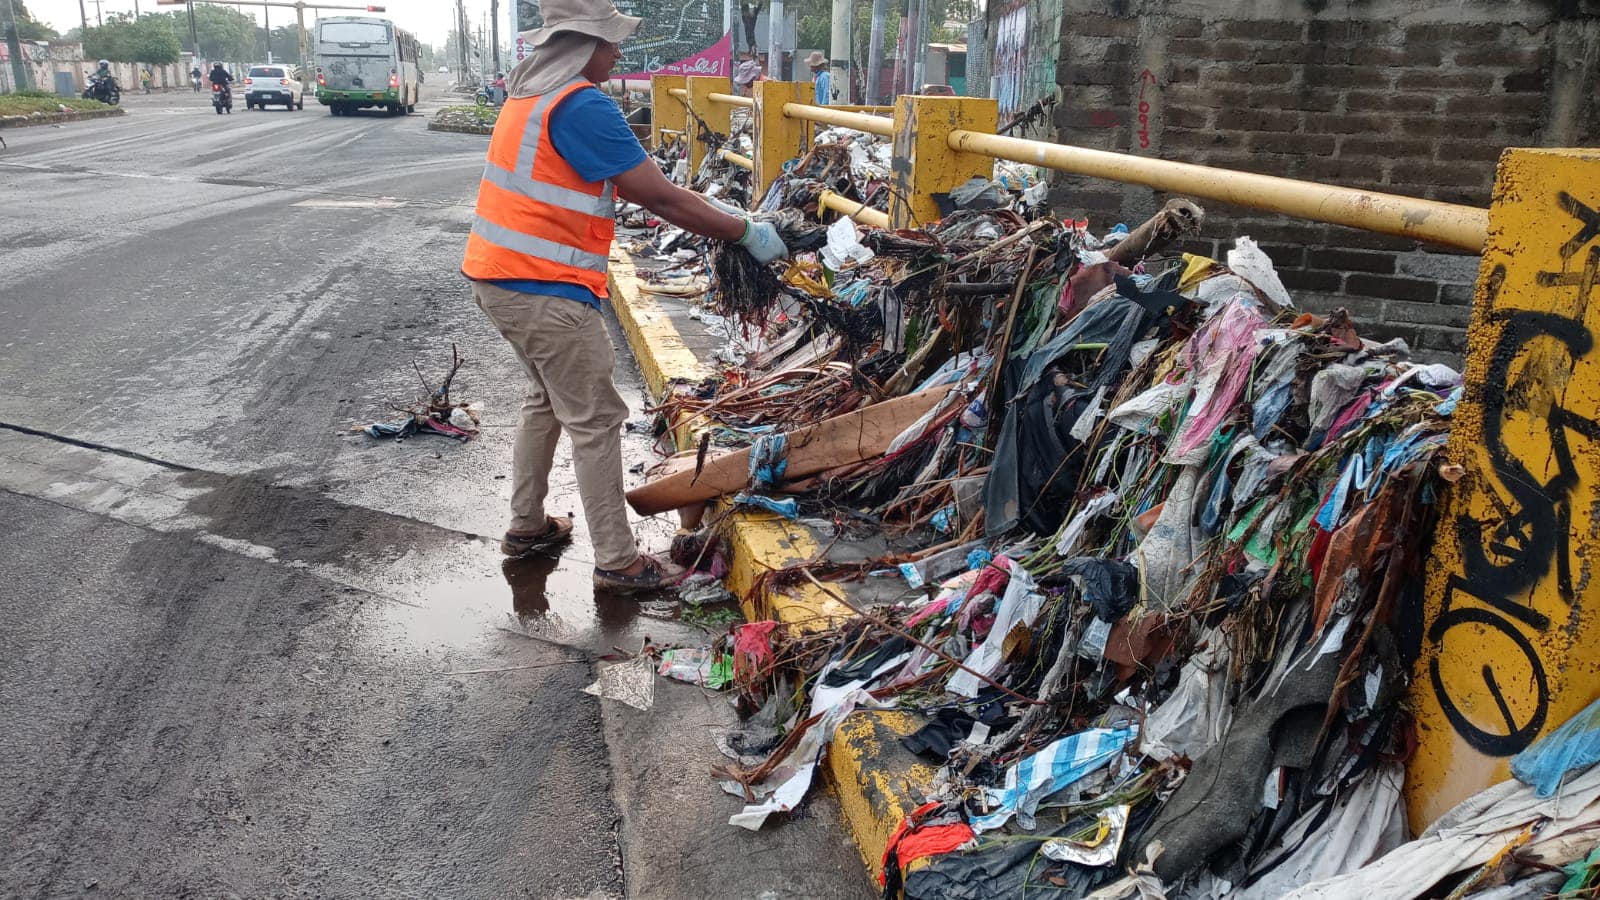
564	346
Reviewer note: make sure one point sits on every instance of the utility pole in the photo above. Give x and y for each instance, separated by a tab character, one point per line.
880	9
194	36
19	72
919	50
775	40
99	17
83	17
266	19
839	53
494	32
461	39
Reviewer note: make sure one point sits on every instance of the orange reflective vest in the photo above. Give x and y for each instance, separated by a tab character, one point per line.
537	219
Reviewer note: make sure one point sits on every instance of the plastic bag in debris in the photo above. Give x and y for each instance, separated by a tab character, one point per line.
1110	586
1052	769
1019	606
786	786
977	193
1477	830
1336	836
1249	262
1072	533
844	247
1098	849
769	460
702	588
1196	716
789	507
632	682
461	418
698	665
1575	745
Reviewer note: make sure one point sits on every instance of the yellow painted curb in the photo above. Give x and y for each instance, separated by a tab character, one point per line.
877	781
663	357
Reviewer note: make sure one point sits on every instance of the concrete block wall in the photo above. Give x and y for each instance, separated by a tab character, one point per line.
1413	99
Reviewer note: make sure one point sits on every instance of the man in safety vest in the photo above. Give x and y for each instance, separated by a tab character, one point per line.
537	258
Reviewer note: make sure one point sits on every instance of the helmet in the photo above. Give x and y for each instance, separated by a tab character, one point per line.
216	65
105	63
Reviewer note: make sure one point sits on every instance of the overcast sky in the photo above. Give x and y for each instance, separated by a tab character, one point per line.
429	20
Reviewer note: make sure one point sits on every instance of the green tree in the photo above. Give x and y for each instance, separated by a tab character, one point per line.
29	28
149	39
224	33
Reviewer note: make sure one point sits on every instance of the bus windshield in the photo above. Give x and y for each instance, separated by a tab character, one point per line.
354	33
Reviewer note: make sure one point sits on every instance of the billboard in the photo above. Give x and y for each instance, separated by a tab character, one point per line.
677	37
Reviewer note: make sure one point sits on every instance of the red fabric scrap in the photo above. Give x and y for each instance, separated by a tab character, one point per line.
752	649
911	842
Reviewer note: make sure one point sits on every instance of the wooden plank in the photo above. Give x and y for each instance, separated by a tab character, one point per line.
854	436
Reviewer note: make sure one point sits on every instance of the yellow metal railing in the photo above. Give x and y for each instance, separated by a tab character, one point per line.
940	142
1461	227
827	115
731	100
858	211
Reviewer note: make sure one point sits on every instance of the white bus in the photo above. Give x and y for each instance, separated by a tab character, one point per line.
364	61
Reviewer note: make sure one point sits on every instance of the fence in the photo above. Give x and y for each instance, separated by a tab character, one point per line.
60	67
1503	634
941	142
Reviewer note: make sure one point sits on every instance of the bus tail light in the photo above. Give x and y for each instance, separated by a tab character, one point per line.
320	80
394	79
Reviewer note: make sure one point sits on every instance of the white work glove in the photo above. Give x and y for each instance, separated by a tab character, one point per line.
761	239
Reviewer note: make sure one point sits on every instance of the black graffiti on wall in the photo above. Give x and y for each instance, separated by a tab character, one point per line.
1527	541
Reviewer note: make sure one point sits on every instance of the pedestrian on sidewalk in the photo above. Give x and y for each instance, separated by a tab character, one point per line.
537	257
821	81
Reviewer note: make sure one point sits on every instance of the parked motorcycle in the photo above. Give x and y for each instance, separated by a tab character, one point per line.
222	98
103	88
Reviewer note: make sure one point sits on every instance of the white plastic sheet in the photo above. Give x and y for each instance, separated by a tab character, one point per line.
1197	714
1020	605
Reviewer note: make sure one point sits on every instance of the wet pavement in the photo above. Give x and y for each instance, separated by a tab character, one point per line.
245	652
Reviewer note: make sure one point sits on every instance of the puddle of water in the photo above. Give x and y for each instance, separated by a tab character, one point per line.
471	598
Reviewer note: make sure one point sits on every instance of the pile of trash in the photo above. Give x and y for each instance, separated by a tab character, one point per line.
434	412
1156	542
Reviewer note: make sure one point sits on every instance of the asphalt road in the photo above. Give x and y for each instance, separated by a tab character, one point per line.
245	652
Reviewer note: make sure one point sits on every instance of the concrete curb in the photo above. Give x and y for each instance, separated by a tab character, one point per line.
58	118
876	779
460	129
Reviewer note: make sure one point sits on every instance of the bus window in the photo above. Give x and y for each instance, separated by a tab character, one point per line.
354	33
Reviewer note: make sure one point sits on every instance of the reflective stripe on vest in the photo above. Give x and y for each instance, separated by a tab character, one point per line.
525	227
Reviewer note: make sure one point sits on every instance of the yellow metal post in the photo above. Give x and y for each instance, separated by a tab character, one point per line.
715	115
924	162
778	138
1508	647
666	111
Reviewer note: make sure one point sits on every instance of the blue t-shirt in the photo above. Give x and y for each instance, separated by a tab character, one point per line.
591	135
822	88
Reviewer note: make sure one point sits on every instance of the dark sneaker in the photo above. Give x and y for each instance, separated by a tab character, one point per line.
558	529
658	574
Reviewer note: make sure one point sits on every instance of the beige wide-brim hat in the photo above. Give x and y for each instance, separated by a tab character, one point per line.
816	59
596	18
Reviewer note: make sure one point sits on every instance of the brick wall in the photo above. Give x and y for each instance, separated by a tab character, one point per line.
1393	97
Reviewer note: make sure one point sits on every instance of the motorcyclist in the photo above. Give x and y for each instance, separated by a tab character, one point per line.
219	75
100	81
